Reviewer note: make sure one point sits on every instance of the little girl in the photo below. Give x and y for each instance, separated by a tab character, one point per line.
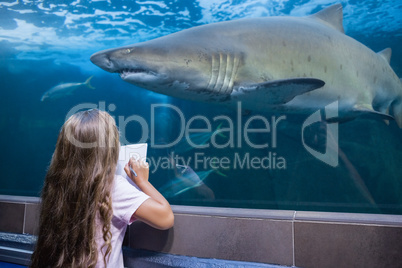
86	207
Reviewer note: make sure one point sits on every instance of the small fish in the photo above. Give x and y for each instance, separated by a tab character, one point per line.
64	89
186	178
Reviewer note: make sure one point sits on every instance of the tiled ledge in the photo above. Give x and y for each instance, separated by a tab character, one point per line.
350	218
361	218
19	199
292	238
19	214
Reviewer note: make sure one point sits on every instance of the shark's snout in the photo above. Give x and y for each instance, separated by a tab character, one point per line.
102	60
127	65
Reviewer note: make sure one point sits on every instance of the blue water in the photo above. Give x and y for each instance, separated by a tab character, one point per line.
10	265
45	43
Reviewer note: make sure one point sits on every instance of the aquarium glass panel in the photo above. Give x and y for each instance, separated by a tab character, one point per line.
295	113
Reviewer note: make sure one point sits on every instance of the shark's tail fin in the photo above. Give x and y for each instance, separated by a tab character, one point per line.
215	169
218	131
220	173
88	83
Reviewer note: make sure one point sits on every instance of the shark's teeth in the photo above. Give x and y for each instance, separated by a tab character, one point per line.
136	70
136	74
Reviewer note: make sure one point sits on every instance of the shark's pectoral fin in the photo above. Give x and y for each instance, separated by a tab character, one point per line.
282	91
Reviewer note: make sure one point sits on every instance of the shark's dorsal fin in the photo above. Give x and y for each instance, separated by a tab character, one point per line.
386	54
331	16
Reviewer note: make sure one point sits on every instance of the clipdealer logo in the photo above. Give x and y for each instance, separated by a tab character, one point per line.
330	156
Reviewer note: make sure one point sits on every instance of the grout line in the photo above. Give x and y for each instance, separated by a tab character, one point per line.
25	214
293	237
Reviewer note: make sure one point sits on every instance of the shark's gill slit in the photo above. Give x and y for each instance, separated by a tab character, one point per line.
222	72
214	73
236	61
228	74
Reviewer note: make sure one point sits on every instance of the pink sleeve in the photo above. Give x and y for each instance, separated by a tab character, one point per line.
127	198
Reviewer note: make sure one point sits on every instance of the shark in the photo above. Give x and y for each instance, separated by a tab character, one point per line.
64	89
278	63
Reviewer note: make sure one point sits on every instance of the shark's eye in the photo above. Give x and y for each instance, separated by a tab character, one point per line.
127	51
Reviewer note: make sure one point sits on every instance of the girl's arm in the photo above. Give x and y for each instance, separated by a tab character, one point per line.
155	211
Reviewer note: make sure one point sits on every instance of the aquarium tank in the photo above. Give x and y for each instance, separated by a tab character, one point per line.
200	153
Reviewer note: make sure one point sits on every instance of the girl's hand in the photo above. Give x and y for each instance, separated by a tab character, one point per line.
141	169
155	211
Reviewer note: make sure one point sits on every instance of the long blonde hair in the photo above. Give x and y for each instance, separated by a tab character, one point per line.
77	193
